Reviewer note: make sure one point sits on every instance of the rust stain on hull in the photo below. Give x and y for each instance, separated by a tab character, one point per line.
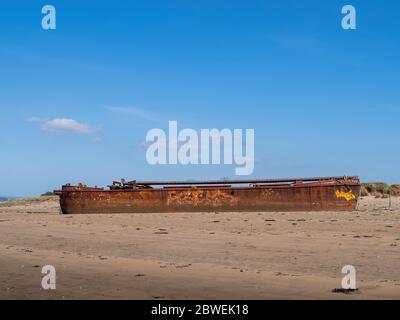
316	194
197	198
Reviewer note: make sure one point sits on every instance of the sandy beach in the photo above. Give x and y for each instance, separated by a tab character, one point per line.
248	255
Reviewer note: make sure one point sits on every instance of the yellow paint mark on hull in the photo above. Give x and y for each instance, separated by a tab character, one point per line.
346	195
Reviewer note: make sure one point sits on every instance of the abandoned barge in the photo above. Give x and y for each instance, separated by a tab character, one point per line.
306	194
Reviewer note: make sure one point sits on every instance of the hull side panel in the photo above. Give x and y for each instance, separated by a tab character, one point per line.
304	198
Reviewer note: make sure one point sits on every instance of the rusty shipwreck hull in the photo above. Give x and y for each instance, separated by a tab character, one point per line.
307	194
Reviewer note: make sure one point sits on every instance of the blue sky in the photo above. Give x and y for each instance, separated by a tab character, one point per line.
322	100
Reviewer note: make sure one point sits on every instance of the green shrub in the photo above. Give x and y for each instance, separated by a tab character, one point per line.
46	194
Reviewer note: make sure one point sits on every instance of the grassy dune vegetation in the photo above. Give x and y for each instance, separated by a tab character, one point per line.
380	189
22	201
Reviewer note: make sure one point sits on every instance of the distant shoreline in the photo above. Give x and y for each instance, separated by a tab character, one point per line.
6	198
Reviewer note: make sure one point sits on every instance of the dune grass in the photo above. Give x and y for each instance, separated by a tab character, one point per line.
380	189
21	201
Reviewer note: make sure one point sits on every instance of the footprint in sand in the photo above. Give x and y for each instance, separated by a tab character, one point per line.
183	266
345	291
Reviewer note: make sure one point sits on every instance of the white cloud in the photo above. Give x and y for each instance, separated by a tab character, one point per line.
67	125
63	125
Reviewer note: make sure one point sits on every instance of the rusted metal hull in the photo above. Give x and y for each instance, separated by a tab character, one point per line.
325	194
